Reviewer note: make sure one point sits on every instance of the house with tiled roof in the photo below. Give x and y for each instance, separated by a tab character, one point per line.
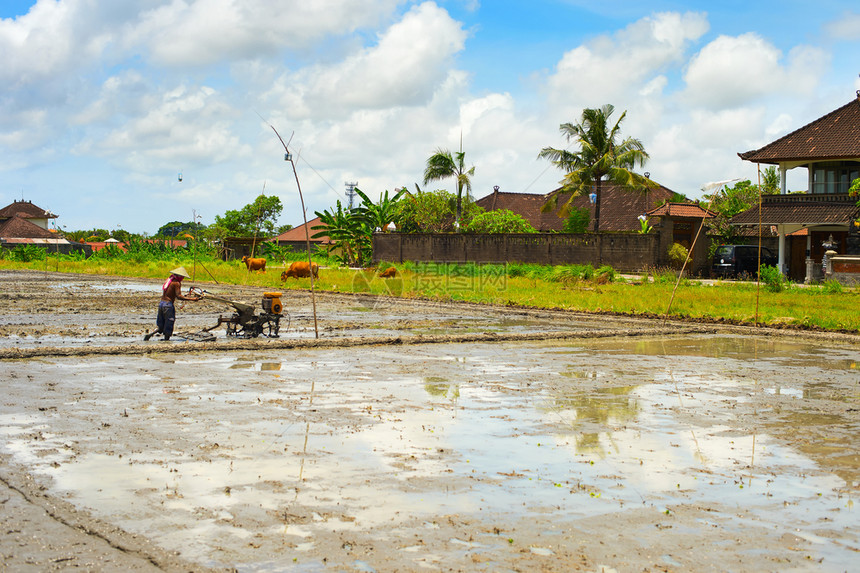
26	210
297	239
619	210
829	149
23	223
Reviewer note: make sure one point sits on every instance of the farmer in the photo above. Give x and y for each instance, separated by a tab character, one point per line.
171	290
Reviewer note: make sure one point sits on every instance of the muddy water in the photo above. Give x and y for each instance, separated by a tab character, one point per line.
705	452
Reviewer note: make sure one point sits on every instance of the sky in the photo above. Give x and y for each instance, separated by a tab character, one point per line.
104	103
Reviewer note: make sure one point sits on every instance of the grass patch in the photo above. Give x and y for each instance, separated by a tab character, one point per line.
573	287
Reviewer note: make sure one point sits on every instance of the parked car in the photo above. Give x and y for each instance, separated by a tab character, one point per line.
740	261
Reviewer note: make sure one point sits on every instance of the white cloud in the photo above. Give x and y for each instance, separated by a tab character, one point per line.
186	125
609	68
204	32
845	27
38	43
405	67
732	71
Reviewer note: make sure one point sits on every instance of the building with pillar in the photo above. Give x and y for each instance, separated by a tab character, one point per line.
825	216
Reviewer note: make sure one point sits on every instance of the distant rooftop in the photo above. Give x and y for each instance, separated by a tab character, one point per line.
834	136
25	209
619	208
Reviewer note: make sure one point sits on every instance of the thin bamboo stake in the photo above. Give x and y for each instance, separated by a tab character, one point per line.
256	232
758	266
686	260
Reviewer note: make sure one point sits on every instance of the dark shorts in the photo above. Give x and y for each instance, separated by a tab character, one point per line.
166	318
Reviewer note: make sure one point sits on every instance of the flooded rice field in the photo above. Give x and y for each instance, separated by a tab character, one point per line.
644	447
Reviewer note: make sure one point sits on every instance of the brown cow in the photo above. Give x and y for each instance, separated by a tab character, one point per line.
300	270
254	264
388	273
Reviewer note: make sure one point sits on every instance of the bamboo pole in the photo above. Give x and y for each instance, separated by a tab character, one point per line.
289	157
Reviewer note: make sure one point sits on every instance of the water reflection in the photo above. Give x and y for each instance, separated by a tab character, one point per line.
593	409
439	387
257	366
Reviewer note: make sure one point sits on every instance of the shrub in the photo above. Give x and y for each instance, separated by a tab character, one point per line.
832	287
499	221
25	253
677	255
664	276
772	277
605	274
577	221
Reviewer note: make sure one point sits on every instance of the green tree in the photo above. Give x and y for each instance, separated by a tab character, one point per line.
601	157
577	221
499	221
726	203
379	215
442	165
854	191
76	236
96	235
351	230
176	228
675	198
120	235
770	181
349	235
254	219
433	211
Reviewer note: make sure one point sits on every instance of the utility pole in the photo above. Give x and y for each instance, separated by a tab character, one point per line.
350	191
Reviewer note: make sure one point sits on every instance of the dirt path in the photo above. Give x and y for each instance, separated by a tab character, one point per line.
458	438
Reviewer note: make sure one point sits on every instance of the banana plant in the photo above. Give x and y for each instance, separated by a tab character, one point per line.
380	215
348	233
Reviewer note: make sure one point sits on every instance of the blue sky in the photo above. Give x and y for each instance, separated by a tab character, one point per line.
105	102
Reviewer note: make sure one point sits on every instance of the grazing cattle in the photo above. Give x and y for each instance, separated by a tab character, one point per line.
254	264
300	270
388	273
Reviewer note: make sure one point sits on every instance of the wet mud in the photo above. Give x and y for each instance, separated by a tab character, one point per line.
417	436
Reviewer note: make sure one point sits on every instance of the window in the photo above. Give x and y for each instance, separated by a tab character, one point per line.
834	177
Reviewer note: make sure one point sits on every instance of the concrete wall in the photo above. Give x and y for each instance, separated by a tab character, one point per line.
626	252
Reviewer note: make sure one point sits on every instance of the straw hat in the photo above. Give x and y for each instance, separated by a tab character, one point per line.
181	272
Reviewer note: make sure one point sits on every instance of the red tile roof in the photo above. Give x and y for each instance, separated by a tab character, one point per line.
298	233
25	209
833	136
680	210
801	209
619	208
17	227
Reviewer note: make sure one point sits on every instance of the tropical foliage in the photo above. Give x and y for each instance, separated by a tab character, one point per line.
601	157
350	230
728	202
442	165
577	221
379	215
433	211
677	255
177	229
499	221
254	219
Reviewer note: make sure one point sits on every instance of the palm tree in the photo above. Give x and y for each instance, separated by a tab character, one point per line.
600	158
442	165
